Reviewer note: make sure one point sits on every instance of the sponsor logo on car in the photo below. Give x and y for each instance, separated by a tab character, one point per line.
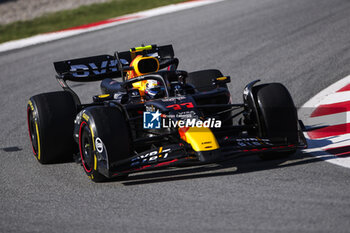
152	120
83	70
99	145
151	156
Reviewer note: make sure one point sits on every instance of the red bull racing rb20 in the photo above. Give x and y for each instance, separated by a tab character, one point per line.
149	115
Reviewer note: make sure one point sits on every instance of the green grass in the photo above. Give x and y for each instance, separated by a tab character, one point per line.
79	16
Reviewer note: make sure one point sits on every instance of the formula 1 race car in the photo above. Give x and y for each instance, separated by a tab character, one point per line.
157	116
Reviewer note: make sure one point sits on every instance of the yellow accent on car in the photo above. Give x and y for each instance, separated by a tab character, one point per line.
37	134
93	145
93	138
95	162
141	48
201	139
221	78
31	105
104	96
133	51
141	85
86	117
138	59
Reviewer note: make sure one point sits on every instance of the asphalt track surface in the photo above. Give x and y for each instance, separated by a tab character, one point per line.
303	44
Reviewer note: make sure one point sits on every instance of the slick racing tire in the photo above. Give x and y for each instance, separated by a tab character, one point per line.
103	135
278	115
50	118
203	79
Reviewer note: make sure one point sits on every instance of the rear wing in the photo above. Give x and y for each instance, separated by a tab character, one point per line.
110	66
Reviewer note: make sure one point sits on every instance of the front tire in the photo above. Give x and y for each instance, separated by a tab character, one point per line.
277	115
104	137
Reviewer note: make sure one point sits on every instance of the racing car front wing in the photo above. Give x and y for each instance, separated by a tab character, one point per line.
182	153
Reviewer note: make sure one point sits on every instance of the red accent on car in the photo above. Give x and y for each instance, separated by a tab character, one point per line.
182	132
178	106
188	105
142	168
174	106
263	149
166	163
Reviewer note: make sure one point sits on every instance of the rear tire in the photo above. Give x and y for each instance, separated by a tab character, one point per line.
106	125
50	118
278	115
203	79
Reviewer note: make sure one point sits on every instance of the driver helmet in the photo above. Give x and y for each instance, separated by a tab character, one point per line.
148	88
152	88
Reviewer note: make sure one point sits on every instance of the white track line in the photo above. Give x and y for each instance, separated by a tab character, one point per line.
333	119
42	38
336	98
316	100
